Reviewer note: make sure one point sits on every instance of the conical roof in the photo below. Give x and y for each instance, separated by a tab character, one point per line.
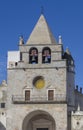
41	33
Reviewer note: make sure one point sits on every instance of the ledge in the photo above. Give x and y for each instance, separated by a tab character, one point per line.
58	99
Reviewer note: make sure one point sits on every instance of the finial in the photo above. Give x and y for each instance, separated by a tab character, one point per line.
67	51
42	10
78	109
4	83
60	39
72	112
81	90
21	41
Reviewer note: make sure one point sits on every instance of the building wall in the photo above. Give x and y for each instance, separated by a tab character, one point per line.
78	99
13	57
54	74
77	120
2	119
20	79
3	99
19	112
70	90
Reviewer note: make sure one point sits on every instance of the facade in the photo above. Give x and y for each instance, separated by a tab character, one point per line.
40	87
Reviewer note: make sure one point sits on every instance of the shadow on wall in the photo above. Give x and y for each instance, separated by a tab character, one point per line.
2	126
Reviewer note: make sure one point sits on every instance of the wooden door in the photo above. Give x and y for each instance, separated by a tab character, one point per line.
50	94
27	95
42	128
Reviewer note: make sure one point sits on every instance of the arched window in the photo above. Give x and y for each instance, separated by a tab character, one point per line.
46	55
33	56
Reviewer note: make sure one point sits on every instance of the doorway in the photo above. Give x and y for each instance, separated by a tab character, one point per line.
42	129
39	120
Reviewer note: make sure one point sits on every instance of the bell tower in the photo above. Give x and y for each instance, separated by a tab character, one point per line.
37	82
43	63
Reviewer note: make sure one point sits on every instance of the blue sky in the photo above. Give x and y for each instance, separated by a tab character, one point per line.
65	17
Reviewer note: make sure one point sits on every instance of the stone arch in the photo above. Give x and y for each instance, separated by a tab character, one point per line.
33	55
38	120
46	55
2	127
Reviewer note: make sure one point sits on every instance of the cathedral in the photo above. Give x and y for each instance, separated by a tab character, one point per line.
40	92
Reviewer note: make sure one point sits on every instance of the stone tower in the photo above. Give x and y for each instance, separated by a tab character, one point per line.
40	83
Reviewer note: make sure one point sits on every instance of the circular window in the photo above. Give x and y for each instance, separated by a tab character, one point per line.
39	82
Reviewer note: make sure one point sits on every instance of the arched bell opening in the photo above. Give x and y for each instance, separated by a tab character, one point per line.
46	55
33	56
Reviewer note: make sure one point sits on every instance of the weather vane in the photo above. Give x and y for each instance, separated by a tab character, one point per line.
42	10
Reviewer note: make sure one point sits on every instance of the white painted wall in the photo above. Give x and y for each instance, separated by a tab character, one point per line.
13	56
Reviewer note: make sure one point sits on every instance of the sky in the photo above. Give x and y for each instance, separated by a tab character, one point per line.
65	18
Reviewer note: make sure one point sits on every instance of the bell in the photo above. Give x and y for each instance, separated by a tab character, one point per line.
46	59
33	58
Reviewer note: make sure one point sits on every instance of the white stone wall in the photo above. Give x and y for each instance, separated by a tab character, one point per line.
19	112
77	120
56	51
56	79
20	78
3	118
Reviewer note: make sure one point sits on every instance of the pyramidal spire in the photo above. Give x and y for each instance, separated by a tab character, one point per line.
41	33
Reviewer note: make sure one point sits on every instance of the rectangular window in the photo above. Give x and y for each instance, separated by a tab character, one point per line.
2	105
50	94
27	95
